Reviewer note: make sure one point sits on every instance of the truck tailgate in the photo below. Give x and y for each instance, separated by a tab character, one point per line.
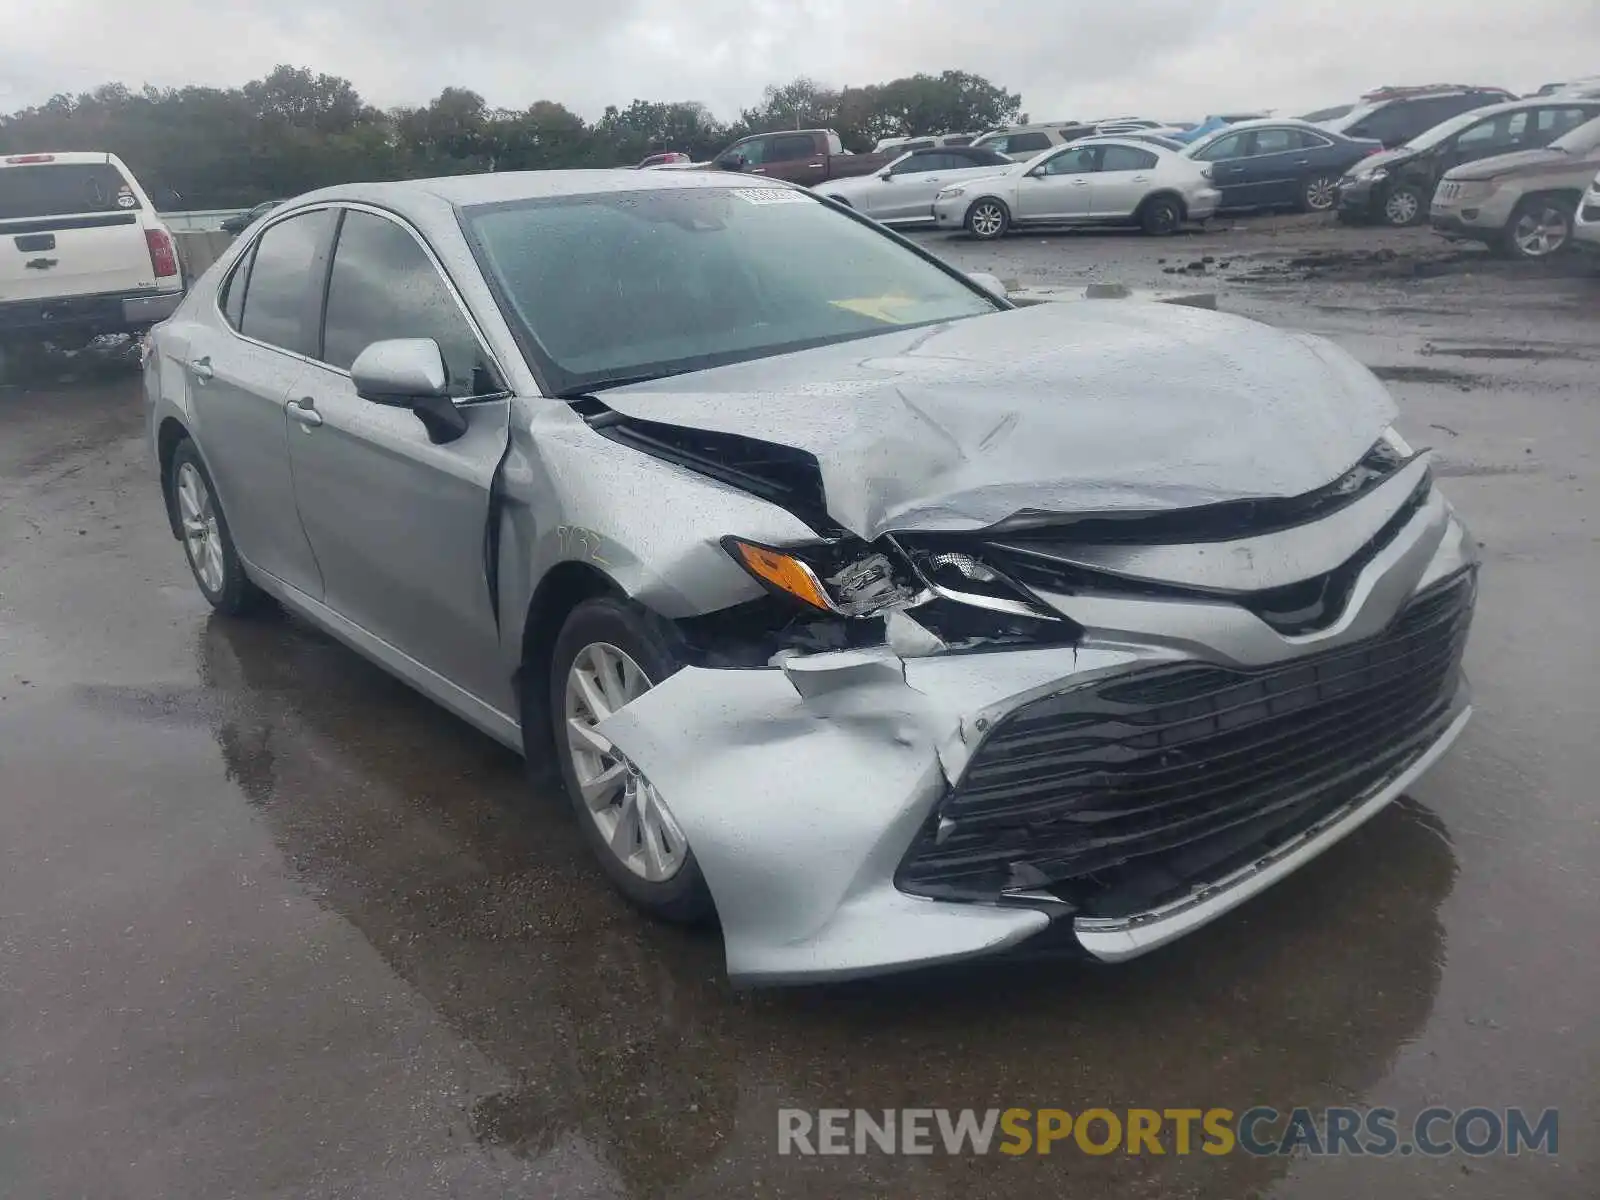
77	255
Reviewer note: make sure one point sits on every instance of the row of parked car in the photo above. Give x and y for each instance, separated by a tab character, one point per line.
1479	162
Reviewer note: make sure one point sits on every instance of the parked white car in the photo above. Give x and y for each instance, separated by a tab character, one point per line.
1096	181
902	193
82	252
1586	225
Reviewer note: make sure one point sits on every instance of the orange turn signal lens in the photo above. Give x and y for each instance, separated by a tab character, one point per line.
782	571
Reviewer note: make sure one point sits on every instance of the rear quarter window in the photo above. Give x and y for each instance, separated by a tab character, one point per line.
63	189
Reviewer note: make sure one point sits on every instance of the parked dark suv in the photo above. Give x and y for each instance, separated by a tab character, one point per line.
1395	187
1395	116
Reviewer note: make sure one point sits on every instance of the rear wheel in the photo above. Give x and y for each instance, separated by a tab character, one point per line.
1540	227
1161	215
988	219
1318	193
207	541
1403	206
610	652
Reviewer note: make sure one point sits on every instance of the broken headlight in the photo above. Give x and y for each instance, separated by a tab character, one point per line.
842	576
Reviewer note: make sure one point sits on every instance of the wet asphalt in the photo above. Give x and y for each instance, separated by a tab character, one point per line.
273	925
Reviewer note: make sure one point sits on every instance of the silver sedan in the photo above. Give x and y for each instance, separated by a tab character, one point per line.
887	622
1095	181
902	193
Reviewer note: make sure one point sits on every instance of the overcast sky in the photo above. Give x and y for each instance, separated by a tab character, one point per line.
1167	59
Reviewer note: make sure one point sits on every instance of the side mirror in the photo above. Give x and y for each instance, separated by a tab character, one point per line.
886	176
410	373
989	284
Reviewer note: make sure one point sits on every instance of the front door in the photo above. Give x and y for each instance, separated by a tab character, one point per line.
1058	188
399	524
240	383
1230	168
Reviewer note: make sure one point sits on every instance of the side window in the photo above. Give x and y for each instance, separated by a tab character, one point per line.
1125	158
1276	141
1231	146
231	298
1551	123
1491	135
1027	143
754	151
915	164
982	156
384	285
1304	139
1072	162
1391	126
284	281
788	147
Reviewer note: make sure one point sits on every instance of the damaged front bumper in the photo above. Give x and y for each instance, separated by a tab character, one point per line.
862	811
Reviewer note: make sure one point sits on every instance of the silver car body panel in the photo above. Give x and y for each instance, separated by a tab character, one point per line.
1053	409
800	785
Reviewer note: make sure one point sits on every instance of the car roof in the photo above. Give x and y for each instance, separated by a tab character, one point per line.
500	186
1267	123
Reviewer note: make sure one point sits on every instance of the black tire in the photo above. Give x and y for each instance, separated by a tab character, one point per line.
988	219
1539	228
1318	193
1160	216
1403	204
234	594
626	627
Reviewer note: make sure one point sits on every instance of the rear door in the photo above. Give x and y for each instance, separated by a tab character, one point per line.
241	368
69	228
400	525
1122	182
796	157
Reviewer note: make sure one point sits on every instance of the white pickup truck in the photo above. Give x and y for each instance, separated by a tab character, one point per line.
82	252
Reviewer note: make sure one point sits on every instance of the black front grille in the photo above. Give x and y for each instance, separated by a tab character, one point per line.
1118	793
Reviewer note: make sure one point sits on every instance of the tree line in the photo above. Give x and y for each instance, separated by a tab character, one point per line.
296	130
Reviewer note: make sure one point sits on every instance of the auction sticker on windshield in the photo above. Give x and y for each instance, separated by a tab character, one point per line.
771	195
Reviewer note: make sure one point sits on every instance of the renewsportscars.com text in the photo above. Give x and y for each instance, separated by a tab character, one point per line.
1476	1131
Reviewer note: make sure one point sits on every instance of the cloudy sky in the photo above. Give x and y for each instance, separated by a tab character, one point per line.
1169	59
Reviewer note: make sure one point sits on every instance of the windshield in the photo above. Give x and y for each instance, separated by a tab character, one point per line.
62	189
622	286
1581	140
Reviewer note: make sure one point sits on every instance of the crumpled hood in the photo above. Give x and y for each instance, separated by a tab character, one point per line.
1057	409
1519	162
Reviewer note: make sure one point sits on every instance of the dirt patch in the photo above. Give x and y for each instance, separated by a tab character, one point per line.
1464	380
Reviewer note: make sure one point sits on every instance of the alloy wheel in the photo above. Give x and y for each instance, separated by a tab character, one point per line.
986	219
1540	232
1320	193
630	815
202	538
1401	207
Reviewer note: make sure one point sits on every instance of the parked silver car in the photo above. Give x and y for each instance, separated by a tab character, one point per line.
1586	225
1096	181
902	193
889	622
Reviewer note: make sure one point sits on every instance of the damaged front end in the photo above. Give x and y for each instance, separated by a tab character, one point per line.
1094	730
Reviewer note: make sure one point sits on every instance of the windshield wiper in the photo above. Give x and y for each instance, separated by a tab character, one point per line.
603	385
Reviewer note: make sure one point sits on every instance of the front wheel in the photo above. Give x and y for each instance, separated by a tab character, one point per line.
1318	193
1403	206
1161	216
609	653
988	219
1537	229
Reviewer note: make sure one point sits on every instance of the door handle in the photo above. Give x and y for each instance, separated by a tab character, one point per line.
1302	162
815	164
305	411
1140	179
201	368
